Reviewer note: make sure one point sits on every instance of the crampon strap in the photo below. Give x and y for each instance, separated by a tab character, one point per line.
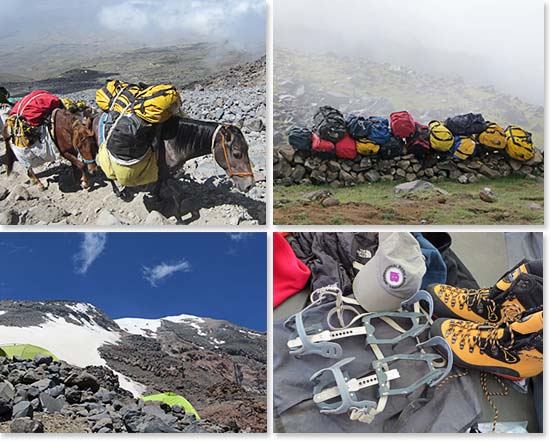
316	341
335	392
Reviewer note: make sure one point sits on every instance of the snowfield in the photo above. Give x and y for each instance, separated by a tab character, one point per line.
76	344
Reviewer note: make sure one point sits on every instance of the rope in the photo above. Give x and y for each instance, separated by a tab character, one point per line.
503	393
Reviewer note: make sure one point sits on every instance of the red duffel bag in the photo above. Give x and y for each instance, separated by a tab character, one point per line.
36	106
402	124
345	148
322	148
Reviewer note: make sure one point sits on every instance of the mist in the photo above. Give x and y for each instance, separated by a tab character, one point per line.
496	43
131	23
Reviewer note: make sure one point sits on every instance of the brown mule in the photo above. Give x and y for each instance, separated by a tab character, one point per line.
74	140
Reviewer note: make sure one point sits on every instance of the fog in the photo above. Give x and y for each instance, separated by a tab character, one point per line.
486	42
240	23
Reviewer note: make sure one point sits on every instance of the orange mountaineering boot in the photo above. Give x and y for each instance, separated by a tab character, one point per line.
520	289
511	350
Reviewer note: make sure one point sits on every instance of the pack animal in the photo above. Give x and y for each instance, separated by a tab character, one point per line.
75	142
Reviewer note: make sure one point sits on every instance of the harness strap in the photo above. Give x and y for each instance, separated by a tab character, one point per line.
230	171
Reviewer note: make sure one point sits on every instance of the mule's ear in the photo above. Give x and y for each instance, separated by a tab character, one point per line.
227	133
89	123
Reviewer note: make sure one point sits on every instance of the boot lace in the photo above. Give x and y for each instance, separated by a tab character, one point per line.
470	335
471	298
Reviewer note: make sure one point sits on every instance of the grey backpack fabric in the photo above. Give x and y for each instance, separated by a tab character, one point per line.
131	136
453	407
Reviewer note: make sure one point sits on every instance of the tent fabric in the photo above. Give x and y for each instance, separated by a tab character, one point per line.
2	353
172	399
25	351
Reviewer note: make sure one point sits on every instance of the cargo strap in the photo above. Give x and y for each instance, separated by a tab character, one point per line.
230	171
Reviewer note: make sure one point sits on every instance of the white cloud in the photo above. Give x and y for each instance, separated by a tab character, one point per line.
91	247
212	19
237	237
159	272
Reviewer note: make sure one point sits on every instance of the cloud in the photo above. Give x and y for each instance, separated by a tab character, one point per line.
91	247
159	272
237	237
241	21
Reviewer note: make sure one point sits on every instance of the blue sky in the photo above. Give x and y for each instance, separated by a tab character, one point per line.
146	275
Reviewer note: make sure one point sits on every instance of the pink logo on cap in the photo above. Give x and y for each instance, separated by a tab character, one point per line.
394	276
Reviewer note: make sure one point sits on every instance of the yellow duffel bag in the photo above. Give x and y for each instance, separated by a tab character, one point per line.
154	104
116	95
493	137
441	138
140	172
519	144
366	148
464	148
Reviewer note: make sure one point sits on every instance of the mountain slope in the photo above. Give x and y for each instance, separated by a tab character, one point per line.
303	82
216	365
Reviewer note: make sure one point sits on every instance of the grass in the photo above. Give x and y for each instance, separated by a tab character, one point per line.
377	204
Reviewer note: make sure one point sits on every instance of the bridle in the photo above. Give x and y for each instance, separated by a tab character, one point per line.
230	171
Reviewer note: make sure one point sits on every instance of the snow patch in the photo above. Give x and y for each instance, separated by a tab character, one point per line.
82	308
216	341
149	327
77	345
135	388
2	312
255	334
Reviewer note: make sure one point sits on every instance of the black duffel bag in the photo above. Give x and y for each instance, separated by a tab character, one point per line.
329	124
466	125
358	127
394	147
131	136
300	138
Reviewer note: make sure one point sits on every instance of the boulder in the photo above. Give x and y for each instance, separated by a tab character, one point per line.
417	186
42	359
6	408
43	384
487	195
84	381
50	404
26	425
7	391
23	409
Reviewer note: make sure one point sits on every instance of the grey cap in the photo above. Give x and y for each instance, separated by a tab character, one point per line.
393	275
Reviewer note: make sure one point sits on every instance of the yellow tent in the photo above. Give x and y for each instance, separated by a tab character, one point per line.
173	399
25	351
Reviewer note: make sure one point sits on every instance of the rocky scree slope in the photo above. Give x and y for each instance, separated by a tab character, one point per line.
204	194
219	367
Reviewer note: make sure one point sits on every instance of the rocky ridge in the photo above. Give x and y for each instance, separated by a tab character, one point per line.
218	366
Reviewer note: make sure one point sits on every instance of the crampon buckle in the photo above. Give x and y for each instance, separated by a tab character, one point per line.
335	392
315	341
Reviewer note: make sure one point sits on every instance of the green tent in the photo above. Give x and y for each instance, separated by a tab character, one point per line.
2	353
25	351
173	399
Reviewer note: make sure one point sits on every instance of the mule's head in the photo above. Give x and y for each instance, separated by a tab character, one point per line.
84	141
231	154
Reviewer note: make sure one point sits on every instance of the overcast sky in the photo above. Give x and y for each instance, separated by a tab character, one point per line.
241	22
498	42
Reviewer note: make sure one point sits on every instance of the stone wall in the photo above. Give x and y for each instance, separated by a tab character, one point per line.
291	167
